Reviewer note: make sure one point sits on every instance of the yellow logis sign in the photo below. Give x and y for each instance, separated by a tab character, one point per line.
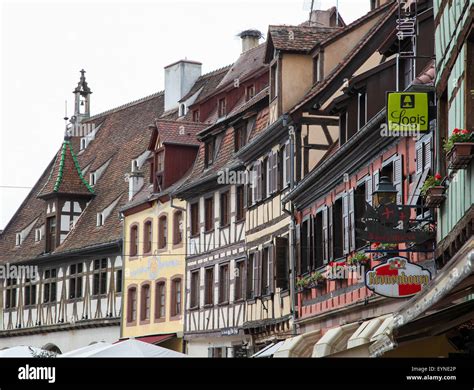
407	111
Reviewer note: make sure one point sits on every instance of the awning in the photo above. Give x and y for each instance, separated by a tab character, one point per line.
155	339
351	339
447	281
269	350
299	346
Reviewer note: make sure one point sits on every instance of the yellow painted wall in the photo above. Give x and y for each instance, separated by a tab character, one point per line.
161	264
297	78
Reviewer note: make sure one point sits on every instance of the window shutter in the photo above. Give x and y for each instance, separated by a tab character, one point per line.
256	274
271	273
280	170
428	154
352	221
275	171
330	235
376	180
298	248
368	190
309	252
398	178
281	260
345	219
325	236
259	181
419	157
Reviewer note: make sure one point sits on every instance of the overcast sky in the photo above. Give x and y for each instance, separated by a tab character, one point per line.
123	47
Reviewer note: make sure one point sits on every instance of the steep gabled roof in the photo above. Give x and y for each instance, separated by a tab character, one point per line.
66	175
122	136
337	75
176	132
206	84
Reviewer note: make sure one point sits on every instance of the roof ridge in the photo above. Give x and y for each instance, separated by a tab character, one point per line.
215	71
126	105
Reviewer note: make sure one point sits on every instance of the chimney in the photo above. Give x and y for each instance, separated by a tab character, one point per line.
179	78
135	183
250	39
328	18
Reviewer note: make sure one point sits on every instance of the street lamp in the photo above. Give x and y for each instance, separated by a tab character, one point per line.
385	193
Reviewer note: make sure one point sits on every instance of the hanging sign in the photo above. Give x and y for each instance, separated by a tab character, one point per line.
397	278
407	111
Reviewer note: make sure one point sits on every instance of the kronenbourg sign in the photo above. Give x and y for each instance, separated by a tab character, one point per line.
397	278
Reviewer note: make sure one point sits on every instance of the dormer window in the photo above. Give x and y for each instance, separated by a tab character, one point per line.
222	109
18	239
273	82
240	137
100	219
135	166
250	92
317	76
196	116
182	109
209	152
92	179
51	234
38	234
83	143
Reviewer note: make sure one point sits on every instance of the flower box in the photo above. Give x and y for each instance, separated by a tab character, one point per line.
460	155
434	196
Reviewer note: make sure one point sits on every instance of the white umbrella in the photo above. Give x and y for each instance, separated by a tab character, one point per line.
21	351
86	351
128	348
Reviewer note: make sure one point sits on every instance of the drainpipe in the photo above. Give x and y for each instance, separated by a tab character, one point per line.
183	343
292	138
122	301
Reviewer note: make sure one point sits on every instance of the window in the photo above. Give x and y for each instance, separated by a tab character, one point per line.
51	234
196	116
224	283
222	110
239	279
162	232
240	137
182	109
132	304
160	300
176	297
362	109
18	239
49	286
338	229
92	179
99	284
240	208
305	233
225	209
209	152
177	227
75	281
38	234
160	161
359	210
145	302
30	292
267	271
118	281
281	259
194	219
147	237
209	214
10	293
263	179
134	240
249	92
250	276
195	289
316	69
286	164
209	286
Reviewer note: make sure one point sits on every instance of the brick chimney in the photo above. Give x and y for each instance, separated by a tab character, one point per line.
250	39
328	18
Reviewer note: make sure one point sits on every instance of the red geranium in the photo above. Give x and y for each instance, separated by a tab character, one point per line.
438	176
456	131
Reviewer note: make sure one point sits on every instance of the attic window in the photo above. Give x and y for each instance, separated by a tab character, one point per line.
209	152
83	143
18	239
38	234
182	109
222	111
196	116
135	165
92	179
100	219
250	92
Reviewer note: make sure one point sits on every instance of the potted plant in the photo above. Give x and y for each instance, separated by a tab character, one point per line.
458	148
433	191
315	279
360	258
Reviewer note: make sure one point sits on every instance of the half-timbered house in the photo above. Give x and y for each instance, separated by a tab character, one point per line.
69	229
338	315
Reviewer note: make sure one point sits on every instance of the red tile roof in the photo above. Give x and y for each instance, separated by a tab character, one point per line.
298	38
179	132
